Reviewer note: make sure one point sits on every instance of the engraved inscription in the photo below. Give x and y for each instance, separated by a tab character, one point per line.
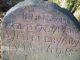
40	32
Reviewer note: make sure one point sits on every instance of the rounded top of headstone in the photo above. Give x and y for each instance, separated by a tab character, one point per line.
53	8
45	30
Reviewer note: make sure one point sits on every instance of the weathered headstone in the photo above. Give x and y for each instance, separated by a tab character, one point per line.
40	32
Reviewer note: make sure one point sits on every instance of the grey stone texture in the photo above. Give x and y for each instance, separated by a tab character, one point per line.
40	32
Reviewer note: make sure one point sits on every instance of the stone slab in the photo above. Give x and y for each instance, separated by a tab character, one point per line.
39	32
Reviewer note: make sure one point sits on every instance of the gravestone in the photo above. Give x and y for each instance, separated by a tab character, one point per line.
40	32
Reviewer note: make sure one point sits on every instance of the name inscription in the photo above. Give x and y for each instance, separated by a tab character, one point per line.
37	31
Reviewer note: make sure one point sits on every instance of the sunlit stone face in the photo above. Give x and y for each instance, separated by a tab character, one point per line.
38	33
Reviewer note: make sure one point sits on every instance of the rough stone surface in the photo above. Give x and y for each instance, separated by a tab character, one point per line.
40	33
